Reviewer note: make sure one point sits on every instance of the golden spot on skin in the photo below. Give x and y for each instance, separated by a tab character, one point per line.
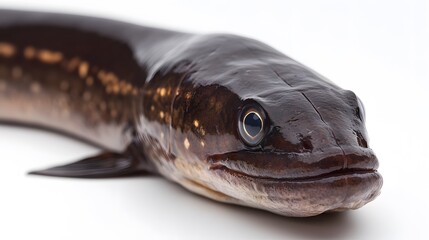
89	81
83	69
72	64
115	89
186	143
107	77
161	114
35	87
3	86
125	87
16	72
152	108
196	123
114	85
49	57
202	143
64	85
162	92
30	52
7	49
188	95
110	80
129	87
87	96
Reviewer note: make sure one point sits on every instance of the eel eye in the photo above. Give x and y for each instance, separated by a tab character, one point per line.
252	124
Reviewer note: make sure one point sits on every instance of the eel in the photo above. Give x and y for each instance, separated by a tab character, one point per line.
224	116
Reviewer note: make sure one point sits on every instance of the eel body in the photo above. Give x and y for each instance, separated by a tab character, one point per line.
224	116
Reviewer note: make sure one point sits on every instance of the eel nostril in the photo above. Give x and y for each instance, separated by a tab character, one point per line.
306	143
361	140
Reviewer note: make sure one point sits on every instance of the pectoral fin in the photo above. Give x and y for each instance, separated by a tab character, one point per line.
104	165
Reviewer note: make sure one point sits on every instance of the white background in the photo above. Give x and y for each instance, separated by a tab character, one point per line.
379	49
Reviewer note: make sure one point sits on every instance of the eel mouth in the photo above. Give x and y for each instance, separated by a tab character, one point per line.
334	174
306	166
299	184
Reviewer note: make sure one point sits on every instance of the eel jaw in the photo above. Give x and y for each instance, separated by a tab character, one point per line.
300	196
303	197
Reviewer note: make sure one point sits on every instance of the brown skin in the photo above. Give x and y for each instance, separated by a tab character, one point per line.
171	103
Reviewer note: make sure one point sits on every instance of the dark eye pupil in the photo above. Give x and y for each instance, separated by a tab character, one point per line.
252	124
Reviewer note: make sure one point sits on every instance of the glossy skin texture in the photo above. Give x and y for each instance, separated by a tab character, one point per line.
177	99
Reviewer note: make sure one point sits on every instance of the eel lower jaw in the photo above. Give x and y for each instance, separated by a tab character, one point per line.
298	184
302	196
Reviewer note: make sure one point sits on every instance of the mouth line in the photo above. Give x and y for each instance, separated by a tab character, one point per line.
337	173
